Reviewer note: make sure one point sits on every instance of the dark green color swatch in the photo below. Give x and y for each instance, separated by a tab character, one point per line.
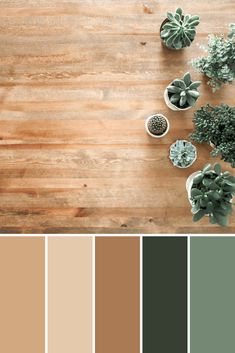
165	295
212	294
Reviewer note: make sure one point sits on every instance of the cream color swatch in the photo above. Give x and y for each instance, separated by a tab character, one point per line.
70	294
22	295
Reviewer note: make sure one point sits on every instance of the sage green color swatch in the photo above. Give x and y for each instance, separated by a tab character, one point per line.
212	294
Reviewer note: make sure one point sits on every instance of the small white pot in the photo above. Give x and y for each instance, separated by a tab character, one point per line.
189	184
152	135
172	106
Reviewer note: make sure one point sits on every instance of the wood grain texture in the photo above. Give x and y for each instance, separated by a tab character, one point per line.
77	81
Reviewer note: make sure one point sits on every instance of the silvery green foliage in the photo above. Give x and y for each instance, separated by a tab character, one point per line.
212	193
183	92
182	153
157	125
219	64
180	30
216	125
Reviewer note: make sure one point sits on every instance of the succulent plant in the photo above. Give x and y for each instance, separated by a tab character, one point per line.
157	125
216	125
179	31
219	64
183	92
182	153
212	193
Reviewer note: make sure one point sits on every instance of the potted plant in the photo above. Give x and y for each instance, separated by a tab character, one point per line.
178	31
182	154
219	64
182	94
216	126
210	193
157	125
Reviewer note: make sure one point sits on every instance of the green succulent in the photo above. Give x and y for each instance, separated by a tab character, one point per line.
179	31
183	92
219	64
216	125
211	194
157	125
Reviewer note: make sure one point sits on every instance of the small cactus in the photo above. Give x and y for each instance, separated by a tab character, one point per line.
179	31
183	92
157	125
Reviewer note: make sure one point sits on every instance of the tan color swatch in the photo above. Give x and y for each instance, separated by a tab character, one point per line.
22	295
70	294
117	295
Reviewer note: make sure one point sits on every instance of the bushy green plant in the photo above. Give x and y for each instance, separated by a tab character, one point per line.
180	30
216	125
211	194
219	65
183	92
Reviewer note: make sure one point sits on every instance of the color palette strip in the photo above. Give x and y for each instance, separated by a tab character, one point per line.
117	294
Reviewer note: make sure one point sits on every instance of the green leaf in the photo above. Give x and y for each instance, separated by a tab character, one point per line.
193	18
209	208
206	182
191	101
206	168
179	83
217	168
197	216
215	195
183	100
194	93
179	11
170	16
173	89
212	219
195	85
221	220
195	192
198	179
187	78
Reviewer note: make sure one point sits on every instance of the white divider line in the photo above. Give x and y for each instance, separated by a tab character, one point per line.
93	294
46	294
188	280
141	294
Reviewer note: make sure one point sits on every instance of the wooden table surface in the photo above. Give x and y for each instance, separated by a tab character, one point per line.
77	80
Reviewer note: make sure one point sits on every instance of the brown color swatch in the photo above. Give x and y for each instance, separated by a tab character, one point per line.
70	295
117	295
22	295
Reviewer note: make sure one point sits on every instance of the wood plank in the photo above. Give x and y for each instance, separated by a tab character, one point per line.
77	81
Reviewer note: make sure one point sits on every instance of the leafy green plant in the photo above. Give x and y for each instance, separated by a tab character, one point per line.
219	65
216	125
183	92
179	31
211	194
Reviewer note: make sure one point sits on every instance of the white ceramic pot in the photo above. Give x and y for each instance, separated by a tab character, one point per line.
189	184
172	106
147	129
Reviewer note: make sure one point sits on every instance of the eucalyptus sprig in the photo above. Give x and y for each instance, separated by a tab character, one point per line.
219	64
